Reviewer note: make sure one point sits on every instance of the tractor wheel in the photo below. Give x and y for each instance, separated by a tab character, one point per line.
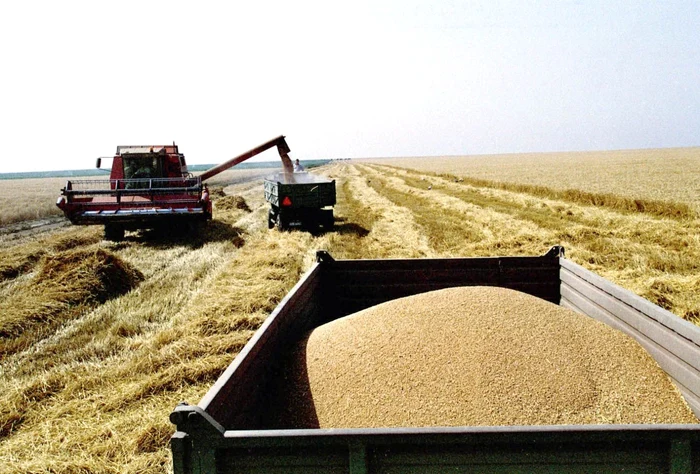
114	232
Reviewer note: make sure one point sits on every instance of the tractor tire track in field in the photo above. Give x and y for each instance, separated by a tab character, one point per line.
19	230
591	230
457	227
391	233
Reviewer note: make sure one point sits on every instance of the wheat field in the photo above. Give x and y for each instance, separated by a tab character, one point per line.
669	174
26	199
87	384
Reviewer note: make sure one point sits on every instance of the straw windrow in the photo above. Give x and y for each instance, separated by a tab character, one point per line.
66	284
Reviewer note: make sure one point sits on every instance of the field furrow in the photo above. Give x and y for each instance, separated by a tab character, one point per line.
457	227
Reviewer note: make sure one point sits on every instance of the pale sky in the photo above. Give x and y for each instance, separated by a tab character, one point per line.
344	79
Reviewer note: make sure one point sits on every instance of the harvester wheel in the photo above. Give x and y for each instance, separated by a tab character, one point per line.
195	227
114	233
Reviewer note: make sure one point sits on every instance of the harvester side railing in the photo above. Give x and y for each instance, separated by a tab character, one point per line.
127	187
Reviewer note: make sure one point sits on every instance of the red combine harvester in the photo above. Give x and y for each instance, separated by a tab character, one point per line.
149	186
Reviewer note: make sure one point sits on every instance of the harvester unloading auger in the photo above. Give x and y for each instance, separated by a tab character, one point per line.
150	186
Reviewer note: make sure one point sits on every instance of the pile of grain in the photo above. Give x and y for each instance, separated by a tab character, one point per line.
473	356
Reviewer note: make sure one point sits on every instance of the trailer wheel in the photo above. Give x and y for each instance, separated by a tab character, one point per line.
313	223
271	219
114	232
327	220
281	221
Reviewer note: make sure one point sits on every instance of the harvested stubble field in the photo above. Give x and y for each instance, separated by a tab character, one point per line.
667	175
94	393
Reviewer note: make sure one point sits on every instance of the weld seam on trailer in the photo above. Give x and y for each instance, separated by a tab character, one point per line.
357	457
681	457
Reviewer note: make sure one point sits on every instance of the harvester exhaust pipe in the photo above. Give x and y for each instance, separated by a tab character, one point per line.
282	149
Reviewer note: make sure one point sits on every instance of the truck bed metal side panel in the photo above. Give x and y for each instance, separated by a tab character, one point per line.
237	396
226	432
555	449
315	194
333	289
359	284
673	342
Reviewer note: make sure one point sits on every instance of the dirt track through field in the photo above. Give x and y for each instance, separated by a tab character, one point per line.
106	380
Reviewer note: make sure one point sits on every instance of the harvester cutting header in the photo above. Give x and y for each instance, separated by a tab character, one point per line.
149	186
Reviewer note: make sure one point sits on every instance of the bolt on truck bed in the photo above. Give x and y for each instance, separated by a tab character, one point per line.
226	431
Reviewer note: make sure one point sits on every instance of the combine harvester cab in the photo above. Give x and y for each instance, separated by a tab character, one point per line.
149	187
